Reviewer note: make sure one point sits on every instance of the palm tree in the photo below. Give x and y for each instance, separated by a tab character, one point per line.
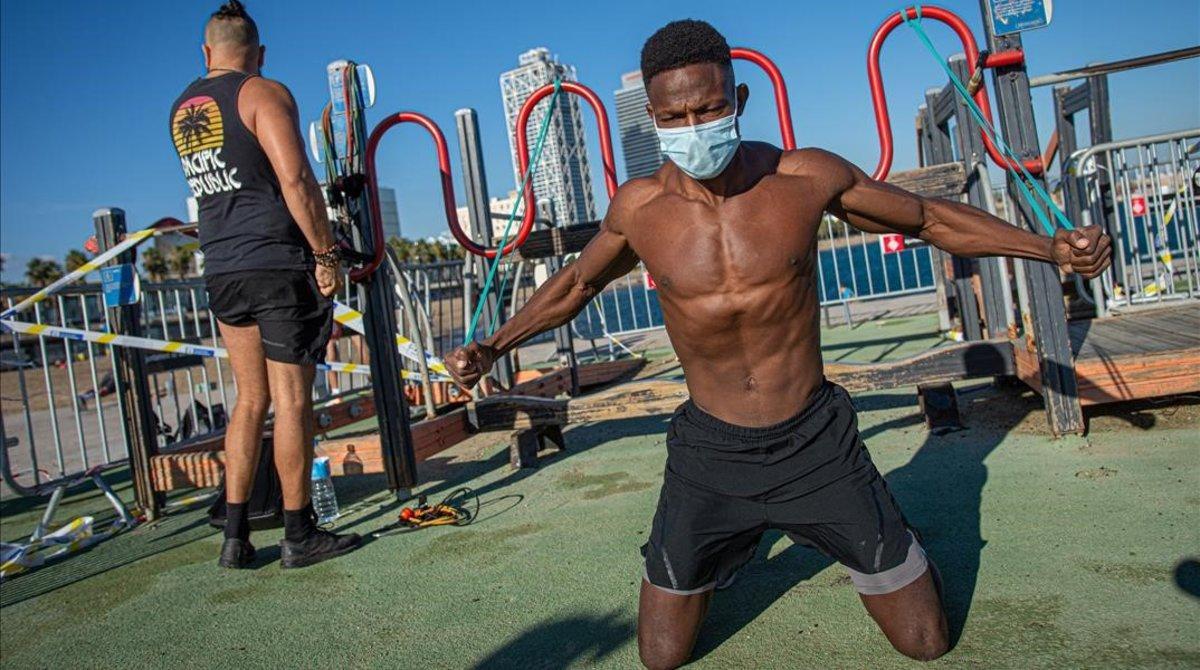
155	264
181	261
42	272
193	126
74	260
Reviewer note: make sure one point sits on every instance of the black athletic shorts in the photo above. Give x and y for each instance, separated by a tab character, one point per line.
293	318
810	477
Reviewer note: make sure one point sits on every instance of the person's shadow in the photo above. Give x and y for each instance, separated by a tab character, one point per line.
584	639
939	491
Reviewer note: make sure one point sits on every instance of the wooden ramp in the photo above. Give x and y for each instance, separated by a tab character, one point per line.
1139	355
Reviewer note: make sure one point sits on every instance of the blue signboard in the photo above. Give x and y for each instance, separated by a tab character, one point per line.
121	285
1014	16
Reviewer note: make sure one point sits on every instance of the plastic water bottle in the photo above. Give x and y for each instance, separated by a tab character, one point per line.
324	500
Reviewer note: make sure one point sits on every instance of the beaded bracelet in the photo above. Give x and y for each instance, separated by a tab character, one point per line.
330	258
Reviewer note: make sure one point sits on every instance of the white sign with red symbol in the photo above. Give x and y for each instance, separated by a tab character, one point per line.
1137	204
892	243
649	281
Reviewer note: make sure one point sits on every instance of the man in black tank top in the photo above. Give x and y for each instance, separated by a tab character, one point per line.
270	267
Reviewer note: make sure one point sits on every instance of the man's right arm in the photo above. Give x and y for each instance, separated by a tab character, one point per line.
607	257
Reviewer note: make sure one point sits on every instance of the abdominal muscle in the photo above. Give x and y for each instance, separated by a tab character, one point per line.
754	363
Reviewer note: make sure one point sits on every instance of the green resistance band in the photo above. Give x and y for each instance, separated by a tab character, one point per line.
518	208
986	125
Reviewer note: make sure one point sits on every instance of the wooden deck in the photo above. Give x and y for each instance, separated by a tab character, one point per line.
1139	355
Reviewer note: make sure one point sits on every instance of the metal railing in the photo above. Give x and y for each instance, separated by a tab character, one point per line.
59	403
852	267
41	380
1144	192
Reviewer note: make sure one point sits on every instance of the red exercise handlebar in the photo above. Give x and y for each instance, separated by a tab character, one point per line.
782	107
606	148
879	100
443	156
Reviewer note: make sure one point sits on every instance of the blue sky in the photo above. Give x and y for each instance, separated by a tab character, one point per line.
86	86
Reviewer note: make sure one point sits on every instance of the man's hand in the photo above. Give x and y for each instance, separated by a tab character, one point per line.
1084	251
470	363
329	280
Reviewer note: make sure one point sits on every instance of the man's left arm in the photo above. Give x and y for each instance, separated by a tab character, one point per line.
878	207
276	123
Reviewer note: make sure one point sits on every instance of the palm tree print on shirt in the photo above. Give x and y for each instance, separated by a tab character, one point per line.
197	126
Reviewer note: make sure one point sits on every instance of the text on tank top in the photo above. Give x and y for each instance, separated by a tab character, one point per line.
244	221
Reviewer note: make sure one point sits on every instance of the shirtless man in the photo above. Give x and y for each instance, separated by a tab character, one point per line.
728	229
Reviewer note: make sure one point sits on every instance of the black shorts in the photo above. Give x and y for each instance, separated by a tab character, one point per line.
294	319
810	477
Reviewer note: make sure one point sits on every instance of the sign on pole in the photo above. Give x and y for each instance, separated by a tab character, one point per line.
121	284
649	281
891	243
1137	204
1014	16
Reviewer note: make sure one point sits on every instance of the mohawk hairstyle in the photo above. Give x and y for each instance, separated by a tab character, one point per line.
231	23
681	43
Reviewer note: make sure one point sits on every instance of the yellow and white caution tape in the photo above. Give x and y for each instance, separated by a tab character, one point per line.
343	314
131	240
353	319
75	536
167	346
150	344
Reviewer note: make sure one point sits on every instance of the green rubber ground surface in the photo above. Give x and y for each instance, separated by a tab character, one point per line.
1055	553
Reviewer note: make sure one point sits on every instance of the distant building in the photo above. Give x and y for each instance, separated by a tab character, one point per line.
501	208
390	212
563	175
639	142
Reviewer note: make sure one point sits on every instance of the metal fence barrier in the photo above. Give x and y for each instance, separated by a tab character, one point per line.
59	398
1144	192
852	267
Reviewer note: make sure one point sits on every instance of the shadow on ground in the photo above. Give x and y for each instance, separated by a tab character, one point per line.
583	639
940	492
452	473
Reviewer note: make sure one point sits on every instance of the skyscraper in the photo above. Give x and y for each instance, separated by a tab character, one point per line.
563	175
639	143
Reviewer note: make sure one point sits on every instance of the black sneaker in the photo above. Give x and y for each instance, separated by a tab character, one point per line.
236	554
320	545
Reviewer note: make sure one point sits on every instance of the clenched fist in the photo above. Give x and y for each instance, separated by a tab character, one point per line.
329	280
470	363
1084	251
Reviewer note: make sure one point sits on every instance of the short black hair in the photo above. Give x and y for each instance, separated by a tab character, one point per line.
231	23
681	43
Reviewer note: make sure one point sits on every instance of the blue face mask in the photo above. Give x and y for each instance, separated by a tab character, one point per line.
702	151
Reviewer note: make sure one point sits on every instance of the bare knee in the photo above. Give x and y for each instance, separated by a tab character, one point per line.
924	643
292	402
253	406
668	625
662	656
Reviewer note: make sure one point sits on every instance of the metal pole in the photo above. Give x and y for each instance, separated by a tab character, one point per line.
564	343
941	150
130	373
479	209
972	152
1115	66
1049	317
